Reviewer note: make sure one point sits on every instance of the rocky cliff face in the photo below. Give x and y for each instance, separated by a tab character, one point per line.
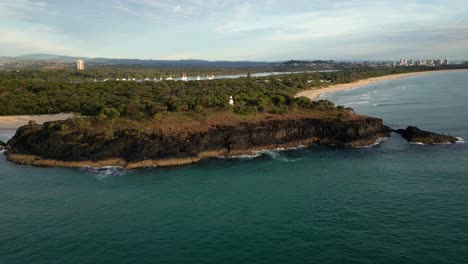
49	145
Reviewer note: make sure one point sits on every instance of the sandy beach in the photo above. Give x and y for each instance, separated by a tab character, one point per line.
14	122
315	93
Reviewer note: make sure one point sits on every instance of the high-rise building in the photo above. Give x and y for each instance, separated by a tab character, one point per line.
80	65
446	61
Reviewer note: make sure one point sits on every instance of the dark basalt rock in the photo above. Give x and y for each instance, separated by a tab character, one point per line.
2	145
48	141
416	135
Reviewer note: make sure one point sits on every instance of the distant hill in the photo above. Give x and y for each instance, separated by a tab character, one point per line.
302	62
176	63
44	56
138	62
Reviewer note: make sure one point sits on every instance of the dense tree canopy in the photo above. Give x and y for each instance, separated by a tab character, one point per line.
26	94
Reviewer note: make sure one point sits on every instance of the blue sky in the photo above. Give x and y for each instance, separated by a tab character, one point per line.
236	30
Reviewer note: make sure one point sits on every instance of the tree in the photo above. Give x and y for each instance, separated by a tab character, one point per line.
110	112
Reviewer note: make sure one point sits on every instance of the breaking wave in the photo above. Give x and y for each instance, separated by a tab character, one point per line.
359	102
397	104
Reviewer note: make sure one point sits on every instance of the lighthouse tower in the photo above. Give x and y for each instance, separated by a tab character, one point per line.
231	101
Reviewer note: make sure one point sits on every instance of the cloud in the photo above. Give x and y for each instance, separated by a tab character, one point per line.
26	42
242	29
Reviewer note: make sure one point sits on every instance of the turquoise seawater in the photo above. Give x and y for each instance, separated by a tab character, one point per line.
391	203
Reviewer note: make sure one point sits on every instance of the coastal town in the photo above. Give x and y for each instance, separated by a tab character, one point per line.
288	67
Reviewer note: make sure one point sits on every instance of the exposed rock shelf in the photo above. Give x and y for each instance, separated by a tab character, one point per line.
416	135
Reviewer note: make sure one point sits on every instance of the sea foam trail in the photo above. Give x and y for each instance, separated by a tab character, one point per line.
460	140
271	153
104	172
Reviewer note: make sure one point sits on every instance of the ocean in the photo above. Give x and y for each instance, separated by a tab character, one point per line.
391	203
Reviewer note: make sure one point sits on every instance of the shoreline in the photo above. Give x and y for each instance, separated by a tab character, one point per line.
314	94
16	121
33	160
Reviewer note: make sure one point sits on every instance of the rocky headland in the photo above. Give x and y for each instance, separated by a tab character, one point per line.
69	144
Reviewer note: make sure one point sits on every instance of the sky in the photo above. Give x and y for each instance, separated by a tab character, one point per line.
262	30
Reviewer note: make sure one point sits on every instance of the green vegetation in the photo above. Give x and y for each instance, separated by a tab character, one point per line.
22	93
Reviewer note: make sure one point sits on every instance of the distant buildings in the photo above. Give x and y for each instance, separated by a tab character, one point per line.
80	65
411	62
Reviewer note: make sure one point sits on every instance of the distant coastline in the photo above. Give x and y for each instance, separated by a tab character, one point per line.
16	121
315	94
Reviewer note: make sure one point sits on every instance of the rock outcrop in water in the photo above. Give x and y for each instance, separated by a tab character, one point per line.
416	135
52	145
2	145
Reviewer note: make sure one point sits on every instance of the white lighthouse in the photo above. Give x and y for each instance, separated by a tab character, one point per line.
231	101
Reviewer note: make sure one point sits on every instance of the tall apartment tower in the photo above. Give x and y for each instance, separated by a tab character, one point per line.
80	65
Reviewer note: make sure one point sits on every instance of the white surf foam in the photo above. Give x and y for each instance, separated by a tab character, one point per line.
417	143
245	156
272	153
459	141
104	172
376	143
